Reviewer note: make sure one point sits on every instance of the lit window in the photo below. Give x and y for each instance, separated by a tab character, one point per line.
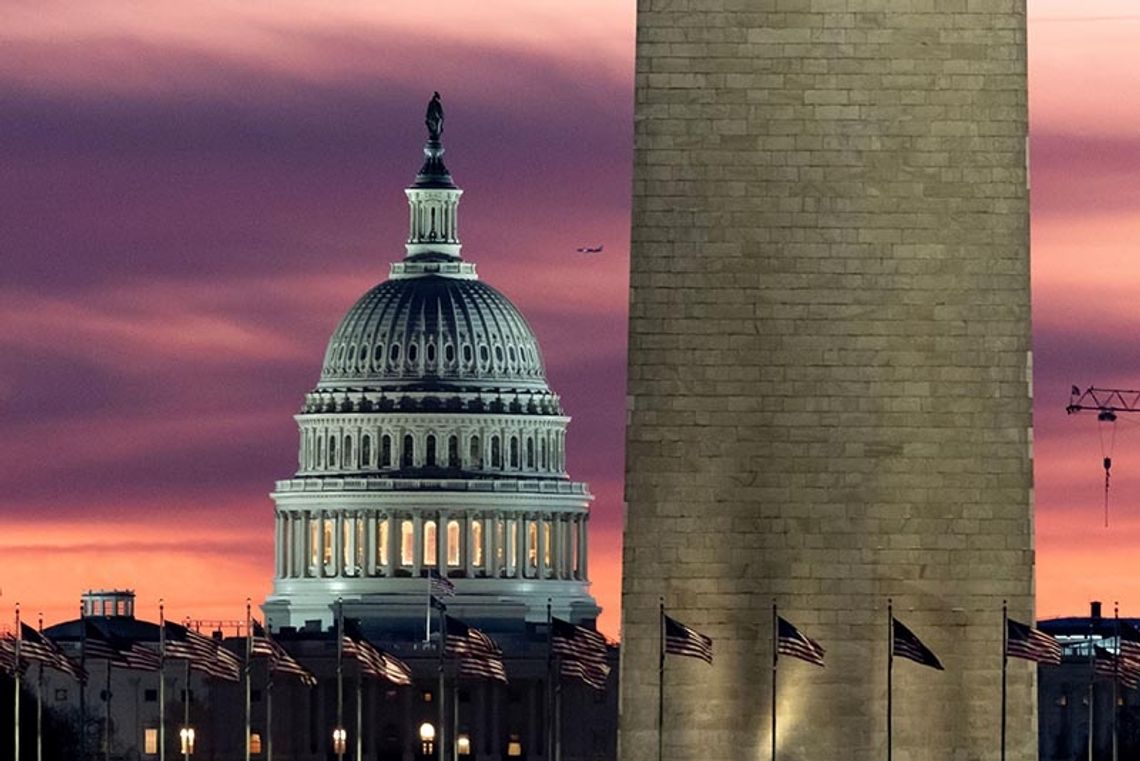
359	545
512	545
500	546
327	555
514	747
382	542
477	543
453	543
346	534
150	741
463	745
255	743
314	542
531	545
407	543
429	543
546	542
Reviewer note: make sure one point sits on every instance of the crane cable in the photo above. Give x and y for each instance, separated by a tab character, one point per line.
1106	416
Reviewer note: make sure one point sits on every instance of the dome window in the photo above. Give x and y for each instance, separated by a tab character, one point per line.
514	451
449	354
408	455
378	354
429	351
347	453
511	354
476	454
468	355
365	451
413	352
429	452
484	354
496	453
453	451
542	452
363	354
529	453
332	451
386	451
394	353
498	355
339	354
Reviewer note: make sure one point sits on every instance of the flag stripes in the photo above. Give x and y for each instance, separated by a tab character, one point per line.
582	652
477	653
1106	664
792	642
681	640
441	586
907	645
280	661
1023	641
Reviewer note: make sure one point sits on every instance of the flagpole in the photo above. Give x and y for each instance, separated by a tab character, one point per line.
339	673
549	681
775	661
890	670
186	713
1092	677
359	714
161	681
427	613
1115	672
1004	666
16	703
248	677
268	711
442	641
83	683
661	679
40	702
107	717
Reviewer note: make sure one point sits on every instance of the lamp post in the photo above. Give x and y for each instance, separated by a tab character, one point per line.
186	735
427	738
340	741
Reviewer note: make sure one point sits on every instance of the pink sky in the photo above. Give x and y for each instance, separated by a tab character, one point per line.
194	194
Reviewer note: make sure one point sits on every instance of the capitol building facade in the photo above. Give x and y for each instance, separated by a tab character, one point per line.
431	444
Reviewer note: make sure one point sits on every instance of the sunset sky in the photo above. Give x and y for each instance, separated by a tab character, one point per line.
193	194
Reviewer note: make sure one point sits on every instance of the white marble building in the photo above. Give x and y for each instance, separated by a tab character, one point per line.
431	441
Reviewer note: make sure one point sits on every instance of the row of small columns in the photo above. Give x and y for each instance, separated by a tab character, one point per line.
301	551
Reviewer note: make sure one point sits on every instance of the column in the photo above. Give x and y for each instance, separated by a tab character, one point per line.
301	542
370	525
468	542
338	543
441	544
523	528
417	544
319	518
490	524
582	555
540	527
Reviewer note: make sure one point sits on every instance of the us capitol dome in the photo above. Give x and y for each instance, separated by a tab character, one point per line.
431	444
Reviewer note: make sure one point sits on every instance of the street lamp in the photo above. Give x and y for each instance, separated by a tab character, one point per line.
463	745
340	740
186	735
427	738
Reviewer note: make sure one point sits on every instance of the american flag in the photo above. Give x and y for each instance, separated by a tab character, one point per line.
34	646
1130	644
280	661
478	654
204	653
681	640
95	645
906	645
376	663
441	586
1106	664
1023	641
791	641
582	652
7	654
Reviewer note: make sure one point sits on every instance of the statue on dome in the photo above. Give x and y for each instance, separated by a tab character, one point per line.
434	117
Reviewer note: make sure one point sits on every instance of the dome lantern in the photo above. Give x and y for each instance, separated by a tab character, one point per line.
433	200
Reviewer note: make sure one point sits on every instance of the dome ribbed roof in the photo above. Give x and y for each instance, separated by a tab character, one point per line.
432	332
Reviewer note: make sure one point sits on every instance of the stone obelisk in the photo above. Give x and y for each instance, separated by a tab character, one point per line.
829	375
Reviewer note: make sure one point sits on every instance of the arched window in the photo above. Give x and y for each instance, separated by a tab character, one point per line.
496	453
512	559
358	555
332	451
529	452
314	544
347	534
385	451
382	542
320	450
347	452
429	451
453	544
500	546
547	544
542	451
327	555
514	451
476	454
477	543
365	451
407	543
453	452
430	543
407	457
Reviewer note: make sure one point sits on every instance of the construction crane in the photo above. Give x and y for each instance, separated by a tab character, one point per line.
1106	402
